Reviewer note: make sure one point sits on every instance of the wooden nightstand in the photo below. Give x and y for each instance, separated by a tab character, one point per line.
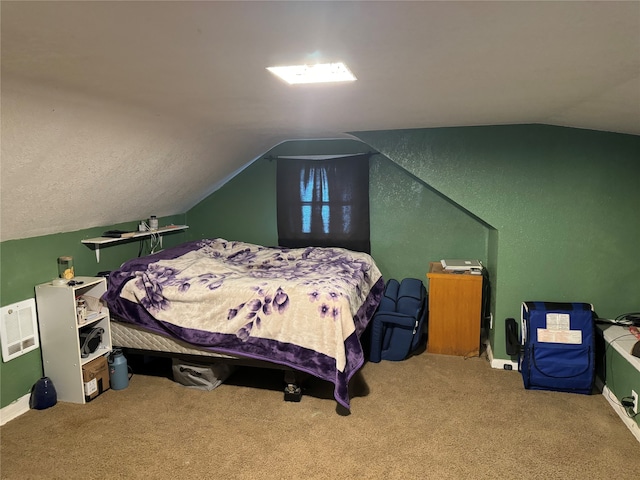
455	312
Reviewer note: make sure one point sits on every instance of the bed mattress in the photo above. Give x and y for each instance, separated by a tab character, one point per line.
132	336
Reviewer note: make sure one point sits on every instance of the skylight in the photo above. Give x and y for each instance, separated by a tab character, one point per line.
318	73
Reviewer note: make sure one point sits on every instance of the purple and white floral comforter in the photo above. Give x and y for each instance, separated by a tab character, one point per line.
304	308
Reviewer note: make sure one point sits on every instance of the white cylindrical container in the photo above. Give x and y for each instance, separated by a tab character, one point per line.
81	310
153	222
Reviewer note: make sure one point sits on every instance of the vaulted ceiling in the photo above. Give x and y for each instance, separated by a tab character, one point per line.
112	111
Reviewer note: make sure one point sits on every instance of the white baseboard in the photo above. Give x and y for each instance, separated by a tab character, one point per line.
15	409
619	409
499	362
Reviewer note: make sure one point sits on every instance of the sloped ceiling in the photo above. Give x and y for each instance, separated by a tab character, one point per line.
113	111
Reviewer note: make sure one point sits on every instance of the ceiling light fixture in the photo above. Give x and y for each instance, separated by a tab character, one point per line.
318	73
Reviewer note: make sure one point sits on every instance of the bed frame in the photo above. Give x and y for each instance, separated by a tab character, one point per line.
135	340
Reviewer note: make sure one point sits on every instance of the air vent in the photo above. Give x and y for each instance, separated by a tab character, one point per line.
18	329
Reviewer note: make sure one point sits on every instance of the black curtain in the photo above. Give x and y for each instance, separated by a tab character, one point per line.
324	203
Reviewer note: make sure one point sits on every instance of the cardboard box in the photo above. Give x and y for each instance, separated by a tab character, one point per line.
95	377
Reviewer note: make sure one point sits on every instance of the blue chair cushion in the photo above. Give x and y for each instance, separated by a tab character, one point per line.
398	324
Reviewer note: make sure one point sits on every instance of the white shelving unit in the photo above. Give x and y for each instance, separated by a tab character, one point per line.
100	241
59	333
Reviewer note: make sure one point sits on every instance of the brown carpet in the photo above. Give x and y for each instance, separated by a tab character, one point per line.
431	416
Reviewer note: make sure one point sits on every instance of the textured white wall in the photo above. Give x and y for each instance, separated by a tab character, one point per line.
71	161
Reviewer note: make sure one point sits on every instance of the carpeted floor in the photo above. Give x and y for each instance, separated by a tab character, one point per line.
432	416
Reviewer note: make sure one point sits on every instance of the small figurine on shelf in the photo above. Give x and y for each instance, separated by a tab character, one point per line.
81	309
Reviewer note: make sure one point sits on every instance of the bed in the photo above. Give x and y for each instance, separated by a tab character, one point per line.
303	309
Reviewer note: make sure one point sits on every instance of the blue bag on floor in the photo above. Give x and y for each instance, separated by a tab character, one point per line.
558	346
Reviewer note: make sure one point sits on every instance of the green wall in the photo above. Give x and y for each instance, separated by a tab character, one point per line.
411	224
243	209
551	211
622	377
564	203
32	261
